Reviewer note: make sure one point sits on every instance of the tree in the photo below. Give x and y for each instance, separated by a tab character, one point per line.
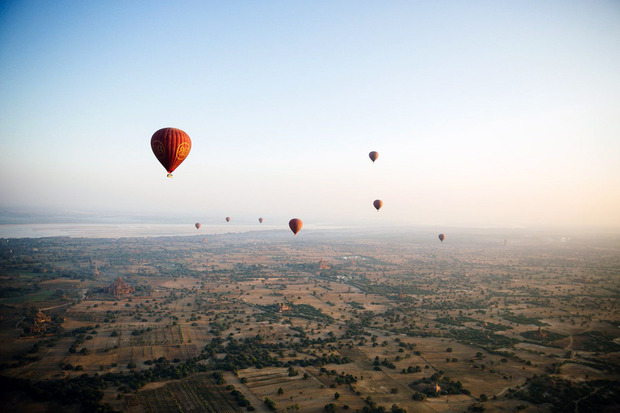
292	372
336	395
271	405
396	409
330	408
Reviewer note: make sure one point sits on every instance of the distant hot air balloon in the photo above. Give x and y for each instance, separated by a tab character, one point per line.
442	237
378	204
227	219
171	146
260	220
295	225
373	156
198	225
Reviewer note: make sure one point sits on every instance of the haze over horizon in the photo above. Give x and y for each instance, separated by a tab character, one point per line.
484	114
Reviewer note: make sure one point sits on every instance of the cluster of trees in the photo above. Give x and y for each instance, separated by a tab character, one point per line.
565	395
256	352
391	290
339	378
9	291
412	369
383	362
494	327
482	339
309	312
456	321
595	341
522	319
252	352
426	385
372	407
85	391
81	337
547	336
241	399
271	405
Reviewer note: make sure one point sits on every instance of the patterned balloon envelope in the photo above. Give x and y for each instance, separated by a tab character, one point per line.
171	146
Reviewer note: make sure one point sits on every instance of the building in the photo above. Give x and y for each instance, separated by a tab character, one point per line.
282	307
541	334
119	288
40	323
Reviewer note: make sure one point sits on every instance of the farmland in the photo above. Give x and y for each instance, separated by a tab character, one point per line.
329	320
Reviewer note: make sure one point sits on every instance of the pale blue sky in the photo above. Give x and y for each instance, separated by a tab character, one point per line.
484	113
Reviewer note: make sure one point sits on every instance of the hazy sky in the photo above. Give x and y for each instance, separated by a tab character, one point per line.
484	113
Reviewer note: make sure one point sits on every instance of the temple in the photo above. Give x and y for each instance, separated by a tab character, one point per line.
119	288
39	325
282	307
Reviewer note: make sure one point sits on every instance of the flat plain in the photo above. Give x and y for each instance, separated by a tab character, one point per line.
488	320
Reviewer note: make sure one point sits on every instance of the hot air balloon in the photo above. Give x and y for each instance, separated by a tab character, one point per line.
442	237
260	220
171	146
227	219
373	156
295	225
378	204
198	225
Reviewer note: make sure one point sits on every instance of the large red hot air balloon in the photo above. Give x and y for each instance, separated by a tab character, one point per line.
442	237
295	225
198	225
171	146
373	156
260	220
378	204
227	219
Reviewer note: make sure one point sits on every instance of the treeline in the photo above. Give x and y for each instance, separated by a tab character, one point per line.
485	340
456	321
83	390
391	290
565	395
521	319
6	292
255	352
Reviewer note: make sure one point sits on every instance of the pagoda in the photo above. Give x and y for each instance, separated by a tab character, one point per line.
39	325
282	307
119	288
